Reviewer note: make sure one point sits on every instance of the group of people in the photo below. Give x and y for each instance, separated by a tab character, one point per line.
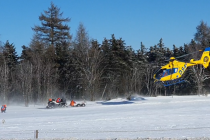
3	108
58	100
72	104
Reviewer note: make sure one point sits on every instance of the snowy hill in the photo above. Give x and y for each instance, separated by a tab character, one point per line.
140	117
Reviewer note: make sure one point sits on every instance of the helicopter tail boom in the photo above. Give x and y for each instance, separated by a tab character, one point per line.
205	59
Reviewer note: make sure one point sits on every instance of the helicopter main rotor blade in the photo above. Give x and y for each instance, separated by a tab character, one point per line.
186	55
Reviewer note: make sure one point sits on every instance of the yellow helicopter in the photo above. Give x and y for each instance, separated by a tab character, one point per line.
172	72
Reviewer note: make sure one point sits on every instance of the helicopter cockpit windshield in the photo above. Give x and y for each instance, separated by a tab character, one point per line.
162	73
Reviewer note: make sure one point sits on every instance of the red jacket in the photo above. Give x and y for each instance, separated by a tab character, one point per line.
3	108
58	100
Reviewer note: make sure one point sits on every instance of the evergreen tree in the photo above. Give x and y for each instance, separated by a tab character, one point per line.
63	57
202	36
81	56
141	54
151	54
118	58
52	29
10	55
26	53
10	61
175	51
54	36
161	45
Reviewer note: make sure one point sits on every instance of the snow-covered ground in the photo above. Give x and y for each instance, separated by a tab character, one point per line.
147	117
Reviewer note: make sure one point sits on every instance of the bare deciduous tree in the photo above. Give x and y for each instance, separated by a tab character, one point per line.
25	80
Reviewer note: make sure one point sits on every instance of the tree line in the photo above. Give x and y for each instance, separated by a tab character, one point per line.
55	65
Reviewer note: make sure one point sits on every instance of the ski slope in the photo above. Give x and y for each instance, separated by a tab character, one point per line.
147	117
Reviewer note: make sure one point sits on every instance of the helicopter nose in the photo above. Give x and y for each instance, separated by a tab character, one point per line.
156	77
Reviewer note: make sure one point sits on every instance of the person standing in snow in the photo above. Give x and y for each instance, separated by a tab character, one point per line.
3	108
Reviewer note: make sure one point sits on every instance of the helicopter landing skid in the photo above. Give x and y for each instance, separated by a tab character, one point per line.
173	82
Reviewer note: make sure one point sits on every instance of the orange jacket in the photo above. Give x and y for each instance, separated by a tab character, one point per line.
72	103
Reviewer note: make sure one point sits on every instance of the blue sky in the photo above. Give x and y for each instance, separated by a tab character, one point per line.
134	21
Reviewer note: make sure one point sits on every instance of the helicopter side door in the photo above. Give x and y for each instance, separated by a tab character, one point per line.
179	70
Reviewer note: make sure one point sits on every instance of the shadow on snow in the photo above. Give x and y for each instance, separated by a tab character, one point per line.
115	103
131	101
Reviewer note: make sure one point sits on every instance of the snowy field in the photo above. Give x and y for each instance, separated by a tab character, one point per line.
144	117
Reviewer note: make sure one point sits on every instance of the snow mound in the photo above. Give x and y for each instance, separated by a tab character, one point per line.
136	98
118	101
